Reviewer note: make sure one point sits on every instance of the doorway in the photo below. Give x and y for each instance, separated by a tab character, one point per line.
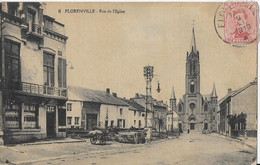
91	121
51	122
205	126
180	127
192	126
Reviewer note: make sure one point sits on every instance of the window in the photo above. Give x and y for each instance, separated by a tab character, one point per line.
112	123
192	87
121	111
134	113
139	113
48	69
69	107
134	122
48	24
180	108
12	51
62	73
192	106
76	120
213	110
59	53
69	120
12	8
143	114
213	117
206	107
121	123
30	116
106	123
12	116
140	123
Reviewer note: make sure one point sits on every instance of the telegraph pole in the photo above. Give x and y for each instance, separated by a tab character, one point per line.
148	74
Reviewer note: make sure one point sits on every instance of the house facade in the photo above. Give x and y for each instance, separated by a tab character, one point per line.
243	100
97	109
136	115
158	111
33	77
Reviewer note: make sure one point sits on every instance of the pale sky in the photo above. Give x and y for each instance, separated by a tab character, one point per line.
109	50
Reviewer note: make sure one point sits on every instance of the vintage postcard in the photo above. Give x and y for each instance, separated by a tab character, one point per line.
156	83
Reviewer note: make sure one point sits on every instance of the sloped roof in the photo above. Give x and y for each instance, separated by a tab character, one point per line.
135	106
234	93
97	96
208	96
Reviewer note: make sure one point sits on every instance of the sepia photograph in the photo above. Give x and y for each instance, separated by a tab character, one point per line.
128	83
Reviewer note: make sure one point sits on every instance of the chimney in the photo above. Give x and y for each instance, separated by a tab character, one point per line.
229	90
114	94
136	95
108	91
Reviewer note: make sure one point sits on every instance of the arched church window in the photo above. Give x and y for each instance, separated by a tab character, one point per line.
192	87
180	108
193	68
206	107
190	67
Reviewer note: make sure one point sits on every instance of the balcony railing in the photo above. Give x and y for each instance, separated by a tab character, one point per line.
36	28
43	89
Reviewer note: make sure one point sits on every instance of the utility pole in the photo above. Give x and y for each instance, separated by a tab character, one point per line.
148	74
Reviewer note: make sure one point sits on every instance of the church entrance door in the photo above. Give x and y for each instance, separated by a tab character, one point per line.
192	126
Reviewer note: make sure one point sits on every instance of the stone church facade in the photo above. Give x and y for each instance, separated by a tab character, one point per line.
196	111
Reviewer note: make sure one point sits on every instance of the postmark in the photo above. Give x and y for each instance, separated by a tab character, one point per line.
236	22
240	22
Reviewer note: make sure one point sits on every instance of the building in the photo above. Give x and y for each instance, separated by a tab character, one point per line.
94	108
136	117
158	109
238	101
172	115
33	76
196	111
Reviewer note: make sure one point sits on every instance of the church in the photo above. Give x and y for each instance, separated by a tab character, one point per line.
196	111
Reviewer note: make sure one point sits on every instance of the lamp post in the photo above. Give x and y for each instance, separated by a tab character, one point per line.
148	74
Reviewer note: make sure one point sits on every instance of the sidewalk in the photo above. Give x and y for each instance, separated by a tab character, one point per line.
250	141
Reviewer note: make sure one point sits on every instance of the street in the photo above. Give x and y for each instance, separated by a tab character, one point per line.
193	148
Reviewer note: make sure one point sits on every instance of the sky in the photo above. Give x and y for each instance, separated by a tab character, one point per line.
109	50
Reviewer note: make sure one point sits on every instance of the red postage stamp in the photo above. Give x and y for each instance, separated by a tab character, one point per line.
240	22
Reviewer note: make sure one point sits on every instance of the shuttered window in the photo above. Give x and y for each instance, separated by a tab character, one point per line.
62	73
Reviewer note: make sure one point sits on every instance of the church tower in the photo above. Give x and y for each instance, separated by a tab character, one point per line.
193	98
173	100
193	69
196	111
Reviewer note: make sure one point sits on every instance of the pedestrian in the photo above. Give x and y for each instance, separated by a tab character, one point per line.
188	130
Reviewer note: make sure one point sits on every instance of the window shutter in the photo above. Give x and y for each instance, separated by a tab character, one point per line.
60	72
64	74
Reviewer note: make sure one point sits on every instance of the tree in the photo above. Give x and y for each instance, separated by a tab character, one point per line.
237	119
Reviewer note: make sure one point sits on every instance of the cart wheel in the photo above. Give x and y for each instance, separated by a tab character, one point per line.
102	140
93	140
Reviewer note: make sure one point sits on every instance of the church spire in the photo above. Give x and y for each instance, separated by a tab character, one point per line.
173	94
214	92
193	41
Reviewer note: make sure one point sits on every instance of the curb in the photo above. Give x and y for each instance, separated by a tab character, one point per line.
236	140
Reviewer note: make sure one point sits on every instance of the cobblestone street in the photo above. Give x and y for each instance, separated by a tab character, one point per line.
193	148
